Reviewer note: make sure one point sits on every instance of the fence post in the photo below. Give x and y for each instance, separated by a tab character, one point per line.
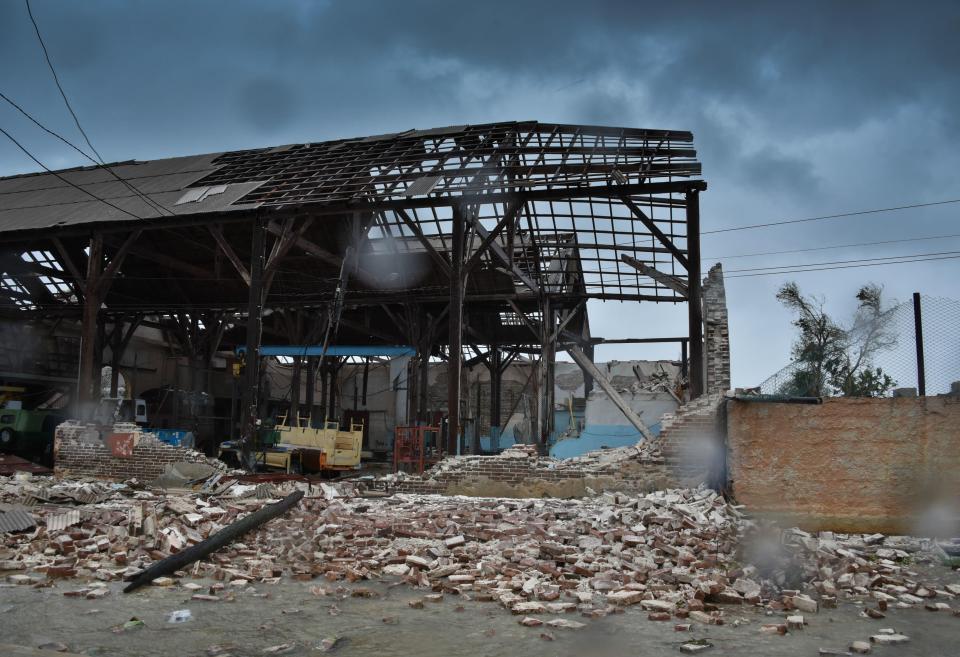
918	333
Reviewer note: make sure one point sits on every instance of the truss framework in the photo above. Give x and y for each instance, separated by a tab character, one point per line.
498	233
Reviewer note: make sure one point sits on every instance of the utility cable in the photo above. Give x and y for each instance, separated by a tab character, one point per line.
843	262
829	216
63	94
154	204
51	171
869	264
827	248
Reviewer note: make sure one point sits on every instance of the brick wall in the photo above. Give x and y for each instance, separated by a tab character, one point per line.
716	335
80	450
692	442
533	476
853	465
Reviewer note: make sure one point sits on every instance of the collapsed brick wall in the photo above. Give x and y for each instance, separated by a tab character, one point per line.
505	476
692	442
850	465
81	450
716	334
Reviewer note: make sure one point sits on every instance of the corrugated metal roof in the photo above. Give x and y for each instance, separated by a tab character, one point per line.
16	520
448	161
44	201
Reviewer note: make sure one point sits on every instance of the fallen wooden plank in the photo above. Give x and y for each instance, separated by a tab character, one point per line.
225	536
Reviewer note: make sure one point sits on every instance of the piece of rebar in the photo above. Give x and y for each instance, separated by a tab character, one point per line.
223	537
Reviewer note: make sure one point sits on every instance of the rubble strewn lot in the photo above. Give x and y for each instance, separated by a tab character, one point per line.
684	552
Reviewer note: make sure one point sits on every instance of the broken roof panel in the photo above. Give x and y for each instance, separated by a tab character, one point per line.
451	161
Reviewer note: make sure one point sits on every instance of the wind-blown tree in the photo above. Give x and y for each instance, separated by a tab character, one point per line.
834	360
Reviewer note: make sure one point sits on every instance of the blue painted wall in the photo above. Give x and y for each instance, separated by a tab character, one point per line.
599	436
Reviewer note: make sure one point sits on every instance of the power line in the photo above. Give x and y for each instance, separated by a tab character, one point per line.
827	248
869	264
76	120
150	201
57	175
843	262
829	216
56	79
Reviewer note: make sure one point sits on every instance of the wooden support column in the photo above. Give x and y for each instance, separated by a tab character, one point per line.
296	370
333	370
119	341
311	385
454	364
324	368
496	377
548	362
587	377
251	391
694	301
86	392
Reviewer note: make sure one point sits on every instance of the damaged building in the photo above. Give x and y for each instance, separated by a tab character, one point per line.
431	277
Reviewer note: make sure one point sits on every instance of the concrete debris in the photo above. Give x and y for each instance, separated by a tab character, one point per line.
889	639
597	461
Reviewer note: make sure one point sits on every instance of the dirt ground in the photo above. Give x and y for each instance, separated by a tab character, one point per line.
265	616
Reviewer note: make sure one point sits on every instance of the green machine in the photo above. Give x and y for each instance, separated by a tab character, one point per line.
28	433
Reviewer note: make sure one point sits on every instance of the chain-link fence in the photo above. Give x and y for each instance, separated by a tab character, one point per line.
940	333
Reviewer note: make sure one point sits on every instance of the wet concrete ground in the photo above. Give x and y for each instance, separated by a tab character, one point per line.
32	617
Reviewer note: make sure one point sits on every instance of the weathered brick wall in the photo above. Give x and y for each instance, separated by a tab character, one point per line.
80	451
716	335
692	442
535	477
853	465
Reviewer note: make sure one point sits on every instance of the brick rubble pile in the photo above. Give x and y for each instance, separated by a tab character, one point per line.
679	554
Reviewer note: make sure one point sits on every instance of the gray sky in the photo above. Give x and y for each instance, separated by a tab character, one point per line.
798	110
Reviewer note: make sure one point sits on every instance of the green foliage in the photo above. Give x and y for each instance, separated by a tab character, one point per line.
832	360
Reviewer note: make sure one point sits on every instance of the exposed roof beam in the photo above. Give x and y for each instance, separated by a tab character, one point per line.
498	251
217	231
653	228
669	281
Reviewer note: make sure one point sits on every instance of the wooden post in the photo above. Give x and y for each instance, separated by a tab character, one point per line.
294	414
918	335
333	369
86	391
694	301
250	405
548	362
311	384
588	350
496	374
454	365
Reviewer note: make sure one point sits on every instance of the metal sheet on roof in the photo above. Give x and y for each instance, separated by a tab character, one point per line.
422	186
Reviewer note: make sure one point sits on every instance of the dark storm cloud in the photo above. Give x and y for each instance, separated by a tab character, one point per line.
797	108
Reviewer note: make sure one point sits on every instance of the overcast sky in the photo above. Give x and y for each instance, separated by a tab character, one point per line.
798	110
